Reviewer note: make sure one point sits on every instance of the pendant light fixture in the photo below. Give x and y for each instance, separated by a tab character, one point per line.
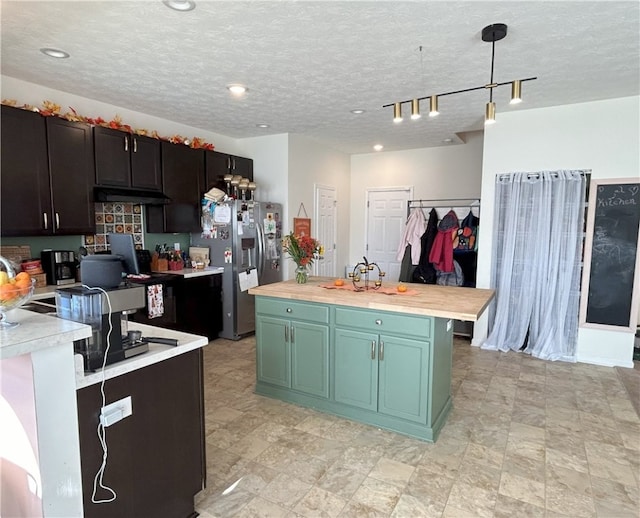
491	33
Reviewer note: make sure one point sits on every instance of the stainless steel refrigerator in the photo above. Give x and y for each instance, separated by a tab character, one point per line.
245	237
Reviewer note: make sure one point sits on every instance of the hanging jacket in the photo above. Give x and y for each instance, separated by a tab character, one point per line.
413	231
425	273
441	255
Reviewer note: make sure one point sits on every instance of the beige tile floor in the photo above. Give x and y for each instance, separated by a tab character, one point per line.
525	438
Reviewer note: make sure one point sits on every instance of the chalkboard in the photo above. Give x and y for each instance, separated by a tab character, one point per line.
611	254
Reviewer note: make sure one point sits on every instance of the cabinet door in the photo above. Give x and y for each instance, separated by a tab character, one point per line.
146	172
182	178
356	368
403	384
273	351
242	166
72	173
113	167
217	165
310	358
24	182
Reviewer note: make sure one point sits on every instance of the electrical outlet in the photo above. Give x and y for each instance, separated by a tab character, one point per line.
116	411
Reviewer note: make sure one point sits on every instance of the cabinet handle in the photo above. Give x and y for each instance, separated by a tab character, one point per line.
234	163
286	333
46	220
378	322
57	221
289	310
229	163
126	143
293	336
135	145
373	349
381	355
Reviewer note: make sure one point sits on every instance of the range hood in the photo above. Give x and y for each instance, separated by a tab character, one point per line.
122	194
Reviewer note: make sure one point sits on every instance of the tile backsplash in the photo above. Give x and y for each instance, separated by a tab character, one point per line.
125	218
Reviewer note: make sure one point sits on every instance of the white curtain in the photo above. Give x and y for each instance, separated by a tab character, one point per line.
537	250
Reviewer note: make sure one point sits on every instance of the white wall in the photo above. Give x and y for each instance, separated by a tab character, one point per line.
453	171
270	167
603	136
311	162
30	93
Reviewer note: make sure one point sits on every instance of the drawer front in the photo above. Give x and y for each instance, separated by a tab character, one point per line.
382	322
290	309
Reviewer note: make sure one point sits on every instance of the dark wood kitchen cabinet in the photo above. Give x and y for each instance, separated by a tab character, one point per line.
219	164
156	457
47	175
126	160
24	170
182	181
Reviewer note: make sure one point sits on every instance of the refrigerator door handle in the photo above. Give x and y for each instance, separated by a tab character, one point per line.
261	250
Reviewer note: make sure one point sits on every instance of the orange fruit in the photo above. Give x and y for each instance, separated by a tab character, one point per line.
401	288
23	275
23	285
8	292
339	282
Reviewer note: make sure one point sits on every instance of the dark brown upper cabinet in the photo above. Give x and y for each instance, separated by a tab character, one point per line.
46	187
126	160
219	164
182	181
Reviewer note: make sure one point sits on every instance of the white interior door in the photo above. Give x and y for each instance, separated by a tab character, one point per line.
325	215
386	218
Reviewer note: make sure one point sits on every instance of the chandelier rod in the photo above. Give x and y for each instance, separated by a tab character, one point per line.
490	85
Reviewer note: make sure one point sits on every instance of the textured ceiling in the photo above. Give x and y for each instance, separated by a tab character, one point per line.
307	64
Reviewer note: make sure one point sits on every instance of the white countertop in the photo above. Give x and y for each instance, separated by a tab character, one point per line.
188	273
157	353
36	332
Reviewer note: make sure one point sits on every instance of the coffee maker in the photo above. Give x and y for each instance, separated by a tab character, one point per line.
60	266
103	310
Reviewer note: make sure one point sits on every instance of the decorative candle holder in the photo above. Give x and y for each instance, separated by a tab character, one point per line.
361	273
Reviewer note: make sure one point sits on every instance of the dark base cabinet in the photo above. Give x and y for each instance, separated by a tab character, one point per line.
191	305
199	305
156	456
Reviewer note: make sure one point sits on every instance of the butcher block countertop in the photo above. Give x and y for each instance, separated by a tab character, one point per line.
420	299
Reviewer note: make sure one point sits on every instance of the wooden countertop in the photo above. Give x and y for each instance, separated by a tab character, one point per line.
420	299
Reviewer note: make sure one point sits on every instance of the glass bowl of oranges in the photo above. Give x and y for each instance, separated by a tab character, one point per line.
15	290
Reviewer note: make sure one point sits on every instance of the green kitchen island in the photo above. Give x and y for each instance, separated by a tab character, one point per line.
379	357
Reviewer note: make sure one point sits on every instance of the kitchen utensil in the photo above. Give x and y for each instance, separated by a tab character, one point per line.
159	340
134	336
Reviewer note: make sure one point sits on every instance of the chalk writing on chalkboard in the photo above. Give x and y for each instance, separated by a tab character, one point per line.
613	253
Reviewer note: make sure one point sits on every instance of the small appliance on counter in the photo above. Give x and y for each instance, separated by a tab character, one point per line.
60	266
91	307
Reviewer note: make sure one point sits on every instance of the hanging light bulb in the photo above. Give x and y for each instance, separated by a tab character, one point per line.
490	113
516	92
397	112
415	109
433	106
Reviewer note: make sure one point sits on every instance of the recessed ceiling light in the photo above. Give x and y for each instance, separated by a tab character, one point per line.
447	141
237	89
358	111
180	5
378	147
262	125
54	53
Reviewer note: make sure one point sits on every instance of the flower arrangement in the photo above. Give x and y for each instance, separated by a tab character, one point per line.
51	109
303	250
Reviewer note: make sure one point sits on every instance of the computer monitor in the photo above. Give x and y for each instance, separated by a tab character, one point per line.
122	245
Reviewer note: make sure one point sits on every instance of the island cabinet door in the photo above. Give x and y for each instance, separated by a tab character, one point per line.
356	368
310	358
403	384
273	351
